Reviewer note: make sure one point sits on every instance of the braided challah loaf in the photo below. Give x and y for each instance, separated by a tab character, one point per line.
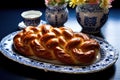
60	44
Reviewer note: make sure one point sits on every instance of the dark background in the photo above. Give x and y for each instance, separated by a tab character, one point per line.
35	3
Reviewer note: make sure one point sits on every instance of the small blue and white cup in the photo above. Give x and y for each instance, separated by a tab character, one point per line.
31	17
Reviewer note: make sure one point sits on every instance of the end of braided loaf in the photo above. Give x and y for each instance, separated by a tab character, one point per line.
60	44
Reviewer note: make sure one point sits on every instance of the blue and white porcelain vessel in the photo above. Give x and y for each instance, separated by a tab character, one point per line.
91	17
56	15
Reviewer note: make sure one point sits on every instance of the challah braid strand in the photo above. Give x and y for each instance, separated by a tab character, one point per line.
43	48
65	34
22	40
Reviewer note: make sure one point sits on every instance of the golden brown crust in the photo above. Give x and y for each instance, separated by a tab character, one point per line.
60	44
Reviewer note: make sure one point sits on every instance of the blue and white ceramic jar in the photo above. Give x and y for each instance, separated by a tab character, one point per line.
56	15
91	17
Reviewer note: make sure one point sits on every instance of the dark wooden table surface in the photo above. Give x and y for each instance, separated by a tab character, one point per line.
10	70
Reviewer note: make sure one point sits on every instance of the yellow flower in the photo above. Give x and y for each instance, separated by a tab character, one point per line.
104	4
73	3
80	2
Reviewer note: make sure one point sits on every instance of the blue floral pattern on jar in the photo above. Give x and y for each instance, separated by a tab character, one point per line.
90	21
56	15
91	17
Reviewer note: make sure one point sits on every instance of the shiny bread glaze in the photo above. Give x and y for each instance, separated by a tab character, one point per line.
60	44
